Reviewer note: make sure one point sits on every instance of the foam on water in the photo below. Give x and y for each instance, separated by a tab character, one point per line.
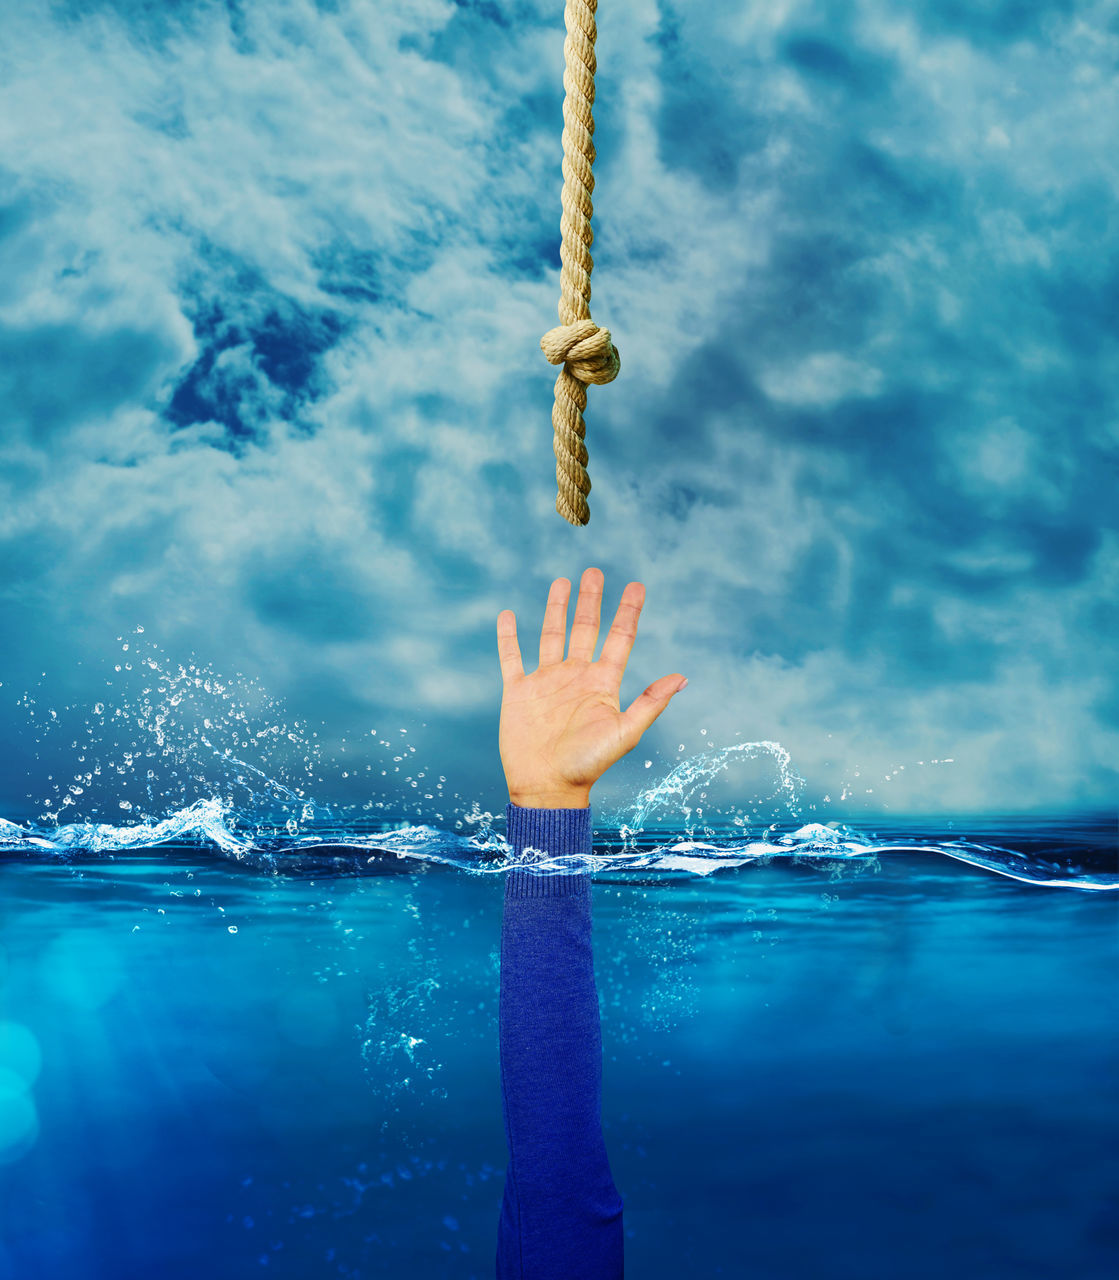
177	756
209	826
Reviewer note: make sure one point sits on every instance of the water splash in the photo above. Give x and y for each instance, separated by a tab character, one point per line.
674	793
177	756
166	731
347	850
167	734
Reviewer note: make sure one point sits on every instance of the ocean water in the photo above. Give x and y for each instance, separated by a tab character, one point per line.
856	1058
243	1032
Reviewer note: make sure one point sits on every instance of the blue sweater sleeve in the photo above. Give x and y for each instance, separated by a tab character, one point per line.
561	1218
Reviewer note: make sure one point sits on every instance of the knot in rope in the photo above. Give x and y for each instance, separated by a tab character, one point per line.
585	351
578	344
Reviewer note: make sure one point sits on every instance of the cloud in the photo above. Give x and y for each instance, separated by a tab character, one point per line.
821	380
272	279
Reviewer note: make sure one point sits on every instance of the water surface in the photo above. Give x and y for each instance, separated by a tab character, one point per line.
828	1049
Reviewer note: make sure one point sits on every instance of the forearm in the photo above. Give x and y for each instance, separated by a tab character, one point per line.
562	1213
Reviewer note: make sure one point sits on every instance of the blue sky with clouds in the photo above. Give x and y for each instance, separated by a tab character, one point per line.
272	280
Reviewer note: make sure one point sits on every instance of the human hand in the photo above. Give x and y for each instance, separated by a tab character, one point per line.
562	727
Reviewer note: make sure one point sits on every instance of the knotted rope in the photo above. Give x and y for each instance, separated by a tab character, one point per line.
584	350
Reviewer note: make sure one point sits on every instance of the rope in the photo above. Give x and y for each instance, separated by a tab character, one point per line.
584	350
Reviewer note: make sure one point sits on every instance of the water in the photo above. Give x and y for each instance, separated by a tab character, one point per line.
870	1064
245	1032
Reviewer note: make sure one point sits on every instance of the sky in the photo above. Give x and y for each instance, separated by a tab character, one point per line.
272	281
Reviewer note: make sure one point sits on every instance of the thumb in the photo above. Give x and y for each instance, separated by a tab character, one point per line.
645	708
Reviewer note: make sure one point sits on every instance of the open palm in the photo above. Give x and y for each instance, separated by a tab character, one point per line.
562	726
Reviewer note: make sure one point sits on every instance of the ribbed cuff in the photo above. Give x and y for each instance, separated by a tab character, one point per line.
556	833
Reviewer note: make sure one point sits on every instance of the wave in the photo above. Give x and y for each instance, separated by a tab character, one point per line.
211	825
172	731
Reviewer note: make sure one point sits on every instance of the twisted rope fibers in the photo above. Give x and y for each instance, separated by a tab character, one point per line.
583	349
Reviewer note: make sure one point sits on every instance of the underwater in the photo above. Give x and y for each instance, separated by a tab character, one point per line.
250	1034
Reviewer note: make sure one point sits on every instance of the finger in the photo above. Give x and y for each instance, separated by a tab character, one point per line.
508	650
645	708
623	631
584	629
554	631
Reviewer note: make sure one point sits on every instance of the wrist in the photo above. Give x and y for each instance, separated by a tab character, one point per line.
565	799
